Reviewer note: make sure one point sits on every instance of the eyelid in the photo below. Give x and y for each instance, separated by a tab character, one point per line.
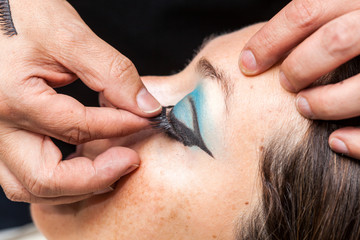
207	70
176	129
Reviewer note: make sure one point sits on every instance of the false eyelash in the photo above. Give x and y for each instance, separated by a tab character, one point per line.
6	22
163	123
166	123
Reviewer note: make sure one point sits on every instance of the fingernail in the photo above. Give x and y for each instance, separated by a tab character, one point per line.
338	146
303	107
106	190
285	82
131	168
146	102
248	62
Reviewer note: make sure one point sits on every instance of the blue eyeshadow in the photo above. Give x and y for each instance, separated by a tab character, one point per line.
198	97
181	122
182	110
183	114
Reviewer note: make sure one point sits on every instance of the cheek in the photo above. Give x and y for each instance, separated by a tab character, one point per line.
171	196
144	206
148	205
201	196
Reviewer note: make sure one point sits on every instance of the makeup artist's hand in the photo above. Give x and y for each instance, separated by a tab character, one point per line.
53	48
328	34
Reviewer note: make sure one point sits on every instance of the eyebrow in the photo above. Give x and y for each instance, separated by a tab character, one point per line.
206	69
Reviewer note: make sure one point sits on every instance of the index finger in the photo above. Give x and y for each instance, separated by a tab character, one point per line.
296	21
65	118
106	70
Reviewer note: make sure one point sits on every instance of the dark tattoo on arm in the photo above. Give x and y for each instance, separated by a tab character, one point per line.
6	22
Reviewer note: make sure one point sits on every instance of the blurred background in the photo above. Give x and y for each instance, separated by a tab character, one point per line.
160	37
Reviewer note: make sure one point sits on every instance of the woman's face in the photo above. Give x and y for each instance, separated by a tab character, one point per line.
187	192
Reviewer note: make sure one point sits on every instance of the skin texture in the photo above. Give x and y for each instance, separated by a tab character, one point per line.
328	36
182	192
53	48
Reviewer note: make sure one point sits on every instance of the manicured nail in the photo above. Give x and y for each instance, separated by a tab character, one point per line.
106	190
285	82
303	107
248	62
338	146
146	102
131	168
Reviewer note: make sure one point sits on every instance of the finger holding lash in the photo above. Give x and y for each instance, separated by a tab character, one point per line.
45	45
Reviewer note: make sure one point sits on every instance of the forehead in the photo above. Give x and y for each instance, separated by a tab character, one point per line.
229	45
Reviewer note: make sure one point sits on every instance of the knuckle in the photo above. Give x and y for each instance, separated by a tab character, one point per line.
80	132
304	13
43	184
293	69
16	195
70	38
37	186
338	37
78	136
268	39
121	67
290	66
72	32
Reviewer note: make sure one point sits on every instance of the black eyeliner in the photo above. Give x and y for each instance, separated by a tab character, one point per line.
179	131
190	137
6	21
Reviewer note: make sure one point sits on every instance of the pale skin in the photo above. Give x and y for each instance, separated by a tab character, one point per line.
181	192
328	35
53	48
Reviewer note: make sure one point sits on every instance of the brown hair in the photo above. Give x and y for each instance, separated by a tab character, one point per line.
308	191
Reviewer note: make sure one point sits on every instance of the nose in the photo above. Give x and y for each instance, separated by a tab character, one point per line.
169	90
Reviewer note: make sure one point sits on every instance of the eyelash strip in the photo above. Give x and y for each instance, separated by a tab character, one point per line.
175	129
6	22
162	122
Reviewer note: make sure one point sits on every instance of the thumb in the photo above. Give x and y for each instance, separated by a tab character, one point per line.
104	69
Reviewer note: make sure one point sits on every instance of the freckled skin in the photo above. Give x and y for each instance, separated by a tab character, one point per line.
182	193
161	203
